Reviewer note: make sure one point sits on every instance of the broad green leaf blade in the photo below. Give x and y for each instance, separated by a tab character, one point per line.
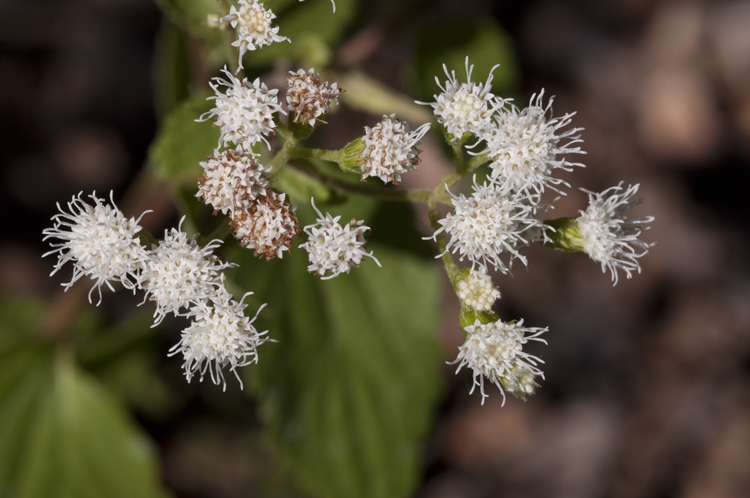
182	143
192	16
349	388
61	434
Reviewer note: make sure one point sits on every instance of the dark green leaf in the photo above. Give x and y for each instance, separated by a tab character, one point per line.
182	143
192	16
348	390
61	434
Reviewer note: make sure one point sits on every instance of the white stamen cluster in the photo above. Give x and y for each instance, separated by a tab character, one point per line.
477	290
220	335
525	144
100	242
269	227
232	182
390	149
253	24
464	107
308	97
495	350
486	224
334	249
244	113
179	273
608	237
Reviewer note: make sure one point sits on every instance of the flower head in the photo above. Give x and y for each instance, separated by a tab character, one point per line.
608	237
253	23
334	249
464	107
525	145
487	224
178	272
308	97
232	182
495	350
244	113
476	290
219	335
99	240
268	227
390	149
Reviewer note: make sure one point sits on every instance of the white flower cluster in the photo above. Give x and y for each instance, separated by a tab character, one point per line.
464	107
100	242
244	113
181	277
390	149
495	350
253	24
477	291
487	224
334	249
608	237
269	227
308	97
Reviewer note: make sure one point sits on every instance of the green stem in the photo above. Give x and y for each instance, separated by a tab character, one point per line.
450	267
477	161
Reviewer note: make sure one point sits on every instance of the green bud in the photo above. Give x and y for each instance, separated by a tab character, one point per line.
301	130
350	157
468	316
566	235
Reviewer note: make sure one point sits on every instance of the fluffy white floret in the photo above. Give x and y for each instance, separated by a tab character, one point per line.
253	22
525	146
477	290
487	224
244	113
390	149
608	237
179	273
464	107
219	335
495	351
333	249
100	241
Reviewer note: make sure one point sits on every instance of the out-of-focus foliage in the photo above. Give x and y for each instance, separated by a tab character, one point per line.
61	434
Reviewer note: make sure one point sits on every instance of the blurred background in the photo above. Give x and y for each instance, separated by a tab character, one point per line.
647	384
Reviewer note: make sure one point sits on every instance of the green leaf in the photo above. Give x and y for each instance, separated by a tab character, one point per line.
348	390
484	41
61	434
171	68
182	143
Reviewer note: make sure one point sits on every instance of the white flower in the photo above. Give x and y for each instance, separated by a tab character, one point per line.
334	249
525	145
245	113
220	335
332	1
476	290
495	350
268	227
253	24
308	97
179	273
390	150
464	107
232	182
486	224
608	237
99	240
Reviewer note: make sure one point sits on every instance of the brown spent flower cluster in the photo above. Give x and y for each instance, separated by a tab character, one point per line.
308	97
240	185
